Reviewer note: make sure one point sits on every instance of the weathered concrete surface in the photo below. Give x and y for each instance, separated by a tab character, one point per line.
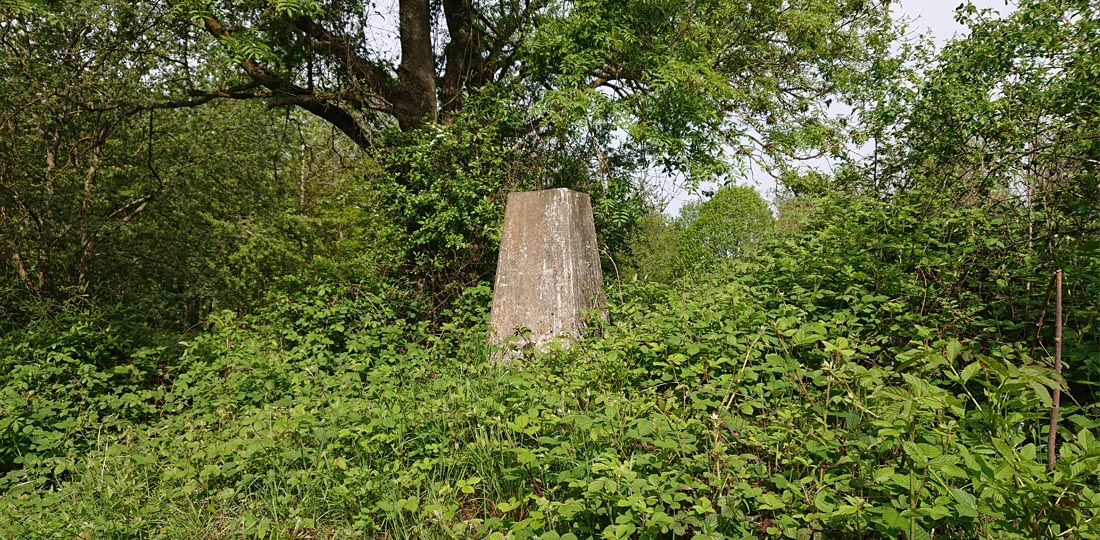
548	273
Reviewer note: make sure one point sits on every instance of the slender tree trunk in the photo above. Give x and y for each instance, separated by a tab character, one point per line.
51	140
302	182
87	235
1052	435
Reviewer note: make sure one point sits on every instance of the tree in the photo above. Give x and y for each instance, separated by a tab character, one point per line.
1007	120
478	99
105	200
1009	110
1000	138
728	225
687	83
60	84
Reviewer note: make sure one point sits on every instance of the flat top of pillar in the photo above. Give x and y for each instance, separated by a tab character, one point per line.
548	197
545	191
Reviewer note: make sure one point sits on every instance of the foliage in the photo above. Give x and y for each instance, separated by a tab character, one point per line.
801	392
999	132
681	83
729	224
111	202
871	368
153	136
1005	120
68	180
654	248
1008	110
967	272
443	192
71	380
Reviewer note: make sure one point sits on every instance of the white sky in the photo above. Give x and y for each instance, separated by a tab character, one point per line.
934	18
938	16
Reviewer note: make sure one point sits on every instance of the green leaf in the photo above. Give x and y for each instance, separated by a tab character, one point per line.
953	349
915	532
969	371
822	503
966	505
525	456
938	512
1042	393
770	501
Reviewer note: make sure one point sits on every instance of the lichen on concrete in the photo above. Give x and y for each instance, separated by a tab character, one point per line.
548	272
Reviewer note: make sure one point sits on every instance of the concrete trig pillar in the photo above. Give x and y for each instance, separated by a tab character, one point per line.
548	273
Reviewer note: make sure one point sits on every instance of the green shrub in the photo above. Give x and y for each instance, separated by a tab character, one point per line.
67	381
730	224
839	383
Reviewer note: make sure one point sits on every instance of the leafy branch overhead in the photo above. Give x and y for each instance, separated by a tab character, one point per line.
688	82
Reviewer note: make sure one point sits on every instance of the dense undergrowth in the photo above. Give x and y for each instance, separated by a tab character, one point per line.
835	383
246	320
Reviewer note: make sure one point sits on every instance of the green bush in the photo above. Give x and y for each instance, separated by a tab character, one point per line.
728	225
654	248
68	381
862	377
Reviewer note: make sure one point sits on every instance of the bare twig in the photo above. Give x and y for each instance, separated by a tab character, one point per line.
1052	435
1042	315
618	280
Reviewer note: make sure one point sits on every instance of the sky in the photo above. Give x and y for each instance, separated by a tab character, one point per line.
938	16
935	18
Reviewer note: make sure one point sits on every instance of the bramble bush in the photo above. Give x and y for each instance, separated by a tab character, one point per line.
794	394
69	380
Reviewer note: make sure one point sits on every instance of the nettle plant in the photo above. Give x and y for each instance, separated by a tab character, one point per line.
712	407
837	383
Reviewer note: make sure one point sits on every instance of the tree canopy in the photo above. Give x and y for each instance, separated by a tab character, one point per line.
687	82
470	100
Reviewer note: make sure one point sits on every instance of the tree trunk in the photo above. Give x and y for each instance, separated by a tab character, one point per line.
417	71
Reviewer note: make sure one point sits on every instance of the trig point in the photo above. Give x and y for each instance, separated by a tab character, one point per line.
548	274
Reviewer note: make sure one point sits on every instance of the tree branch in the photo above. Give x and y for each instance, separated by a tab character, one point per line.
199	97
282	88
359	70
463	53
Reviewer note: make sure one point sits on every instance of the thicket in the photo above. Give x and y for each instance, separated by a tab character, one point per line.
844	381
